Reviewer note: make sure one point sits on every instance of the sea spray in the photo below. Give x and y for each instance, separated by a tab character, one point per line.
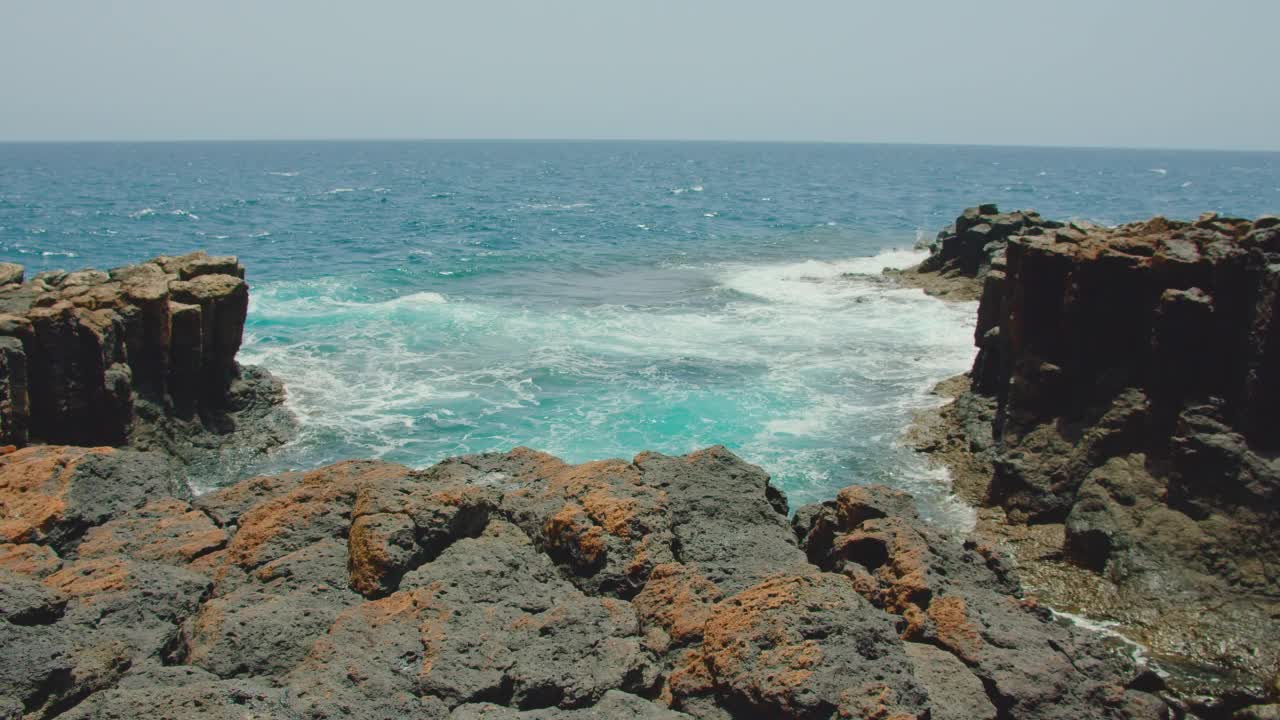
809	369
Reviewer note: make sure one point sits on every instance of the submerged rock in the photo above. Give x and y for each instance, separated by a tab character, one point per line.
513	585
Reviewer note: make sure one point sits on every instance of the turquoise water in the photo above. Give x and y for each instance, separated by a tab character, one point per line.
591	299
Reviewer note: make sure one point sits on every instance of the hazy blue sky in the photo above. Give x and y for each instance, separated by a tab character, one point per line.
1167	73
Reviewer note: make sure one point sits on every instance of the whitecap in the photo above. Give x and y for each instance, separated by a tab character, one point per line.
59	253
284	173
1186	184
414	300
1159	171
1106	628
815	281
555	206
144	212
339	191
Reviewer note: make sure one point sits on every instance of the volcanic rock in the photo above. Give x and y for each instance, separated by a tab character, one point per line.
1135	377
142	355
513	585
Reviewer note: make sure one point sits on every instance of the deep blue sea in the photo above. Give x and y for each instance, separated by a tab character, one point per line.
593	299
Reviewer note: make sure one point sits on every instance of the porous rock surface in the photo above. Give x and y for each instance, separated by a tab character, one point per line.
141	355
1126	398
512	586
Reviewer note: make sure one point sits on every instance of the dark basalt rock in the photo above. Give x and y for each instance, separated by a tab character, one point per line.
513	585
142	355
1136	376
977	239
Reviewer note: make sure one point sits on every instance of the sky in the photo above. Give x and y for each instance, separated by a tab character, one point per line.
1128	73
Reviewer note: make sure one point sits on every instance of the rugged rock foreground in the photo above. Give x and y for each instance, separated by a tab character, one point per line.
141	355
1124	409
513	586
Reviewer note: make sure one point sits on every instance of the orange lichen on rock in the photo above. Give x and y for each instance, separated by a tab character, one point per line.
954	629
916	622
895	555
321	503
34	483
167	531
611	493
747	644
88	578
690	678
370	549
678	599
34	561
571	531
613	513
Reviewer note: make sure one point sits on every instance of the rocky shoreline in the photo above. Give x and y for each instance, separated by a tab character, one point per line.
1117	431
514	586
141	356
504	585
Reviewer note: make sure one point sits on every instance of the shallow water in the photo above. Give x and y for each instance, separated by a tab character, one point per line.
591	299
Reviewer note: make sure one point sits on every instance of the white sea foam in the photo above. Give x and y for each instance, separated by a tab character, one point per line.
284	173
144	212
1107	628
555	206
1159	171
818	282
414	300
809	369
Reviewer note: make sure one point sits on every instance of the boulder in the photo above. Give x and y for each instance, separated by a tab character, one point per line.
10	273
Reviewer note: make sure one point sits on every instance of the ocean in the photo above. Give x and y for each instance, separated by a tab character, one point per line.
592	299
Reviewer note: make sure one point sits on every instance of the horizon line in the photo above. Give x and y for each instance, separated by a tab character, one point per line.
178	141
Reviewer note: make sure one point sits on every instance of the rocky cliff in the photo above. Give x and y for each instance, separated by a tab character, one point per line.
513	586
142	355
506	585
1126	393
